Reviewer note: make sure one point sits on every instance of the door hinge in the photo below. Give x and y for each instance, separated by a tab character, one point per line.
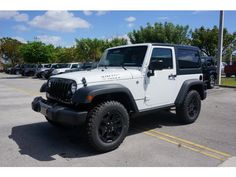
146	98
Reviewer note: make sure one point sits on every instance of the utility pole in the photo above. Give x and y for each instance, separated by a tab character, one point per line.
231	58
220	46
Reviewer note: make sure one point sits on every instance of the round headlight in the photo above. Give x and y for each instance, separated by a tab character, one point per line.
49	83
73	87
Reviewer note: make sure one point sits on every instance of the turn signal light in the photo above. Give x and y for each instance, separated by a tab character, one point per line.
90	98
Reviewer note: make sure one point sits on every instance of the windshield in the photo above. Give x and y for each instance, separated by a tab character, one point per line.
125	56
47	66
64	65
61	65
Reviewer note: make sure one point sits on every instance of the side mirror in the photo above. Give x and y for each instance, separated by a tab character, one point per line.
155	65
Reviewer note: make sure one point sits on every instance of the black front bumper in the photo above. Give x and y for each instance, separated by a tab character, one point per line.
58	113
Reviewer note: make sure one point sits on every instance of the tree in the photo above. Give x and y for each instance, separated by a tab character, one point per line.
89	49
207	39
37	52
92	49
9	48
161	33
66	55
114	42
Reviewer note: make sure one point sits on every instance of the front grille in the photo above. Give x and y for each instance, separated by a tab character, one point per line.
60	89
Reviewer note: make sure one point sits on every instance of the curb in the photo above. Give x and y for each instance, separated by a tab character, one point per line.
231	162
227	86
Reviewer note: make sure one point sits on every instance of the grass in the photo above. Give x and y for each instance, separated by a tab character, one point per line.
228	81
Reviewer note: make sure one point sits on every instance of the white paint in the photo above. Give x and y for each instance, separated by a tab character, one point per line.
230	162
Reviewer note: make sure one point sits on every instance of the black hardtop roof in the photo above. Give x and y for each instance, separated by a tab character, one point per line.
176	46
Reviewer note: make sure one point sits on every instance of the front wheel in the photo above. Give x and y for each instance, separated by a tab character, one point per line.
107	125
189	110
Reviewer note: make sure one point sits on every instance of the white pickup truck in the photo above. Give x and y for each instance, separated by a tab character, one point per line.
64	67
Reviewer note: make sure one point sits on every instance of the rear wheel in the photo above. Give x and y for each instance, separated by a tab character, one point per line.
189	110
211	82
107	126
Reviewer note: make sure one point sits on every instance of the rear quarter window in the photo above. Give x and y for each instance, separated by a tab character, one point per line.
188	59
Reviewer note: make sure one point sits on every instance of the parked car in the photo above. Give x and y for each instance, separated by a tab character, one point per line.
222	66
230	70
47	73
83	66
8	70
63	67
17	69
41	68
58	69
129	80
209	71
29	70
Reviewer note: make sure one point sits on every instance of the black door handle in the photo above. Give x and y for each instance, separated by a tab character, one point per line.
172	76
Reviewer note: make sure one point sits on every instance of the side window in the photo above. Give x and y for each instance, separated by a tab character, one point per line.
188	59
163	54
74	66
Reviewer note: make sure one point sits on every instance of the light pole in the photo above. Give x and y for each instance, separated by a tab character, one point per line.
220	46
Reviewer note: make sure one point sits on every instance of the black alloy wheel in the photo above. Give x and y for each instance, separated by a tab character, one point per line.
107	125
189	110
110	127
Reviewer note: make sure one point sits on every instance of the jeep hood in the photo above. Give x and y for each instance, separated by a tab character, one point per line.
101	75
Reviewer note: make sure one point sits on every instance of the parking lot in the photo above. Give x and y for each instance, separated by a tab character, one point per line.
156	139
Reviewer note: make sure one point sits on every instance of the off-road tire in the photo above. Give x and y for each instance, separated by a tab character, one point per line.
189	110
211	82
103	118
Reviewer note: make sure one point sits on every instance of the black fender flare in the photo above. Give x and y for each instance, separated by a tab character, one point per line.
44	87
186	87
81	95
213	72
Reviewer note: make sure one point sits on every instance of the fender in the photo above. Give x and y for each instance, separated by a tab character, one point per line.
213	72
80	96
186	87
43	87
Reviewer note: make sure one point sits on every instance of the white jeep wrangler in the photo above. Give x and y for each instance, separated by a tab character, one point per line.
128	80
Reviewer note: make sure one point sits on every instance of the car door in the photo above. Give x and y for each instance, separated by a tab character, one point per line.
160	87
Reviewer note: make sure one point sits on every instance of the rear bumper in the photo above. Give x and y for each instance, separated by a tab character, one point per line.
58	113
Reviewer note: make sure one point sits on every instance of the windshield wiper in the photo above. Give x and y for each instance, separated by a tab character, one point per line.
105	66
123	66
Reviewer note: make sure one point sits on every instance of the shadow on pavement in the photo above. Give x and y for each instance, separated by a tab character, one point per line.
42	141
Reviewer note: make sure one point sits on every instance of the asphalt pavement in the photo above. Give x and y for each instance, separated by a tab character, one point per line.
155	139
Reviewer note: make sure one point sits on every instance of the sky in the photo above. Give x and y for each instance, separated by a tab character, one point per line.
60	28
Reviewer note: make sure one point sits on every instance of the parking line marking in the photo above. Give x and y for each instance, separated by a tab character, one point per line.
192	143
222	156
185	146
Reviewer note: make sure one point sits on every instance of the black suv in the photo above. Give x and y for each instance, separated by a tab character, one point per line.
17	69
209	71
29	70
